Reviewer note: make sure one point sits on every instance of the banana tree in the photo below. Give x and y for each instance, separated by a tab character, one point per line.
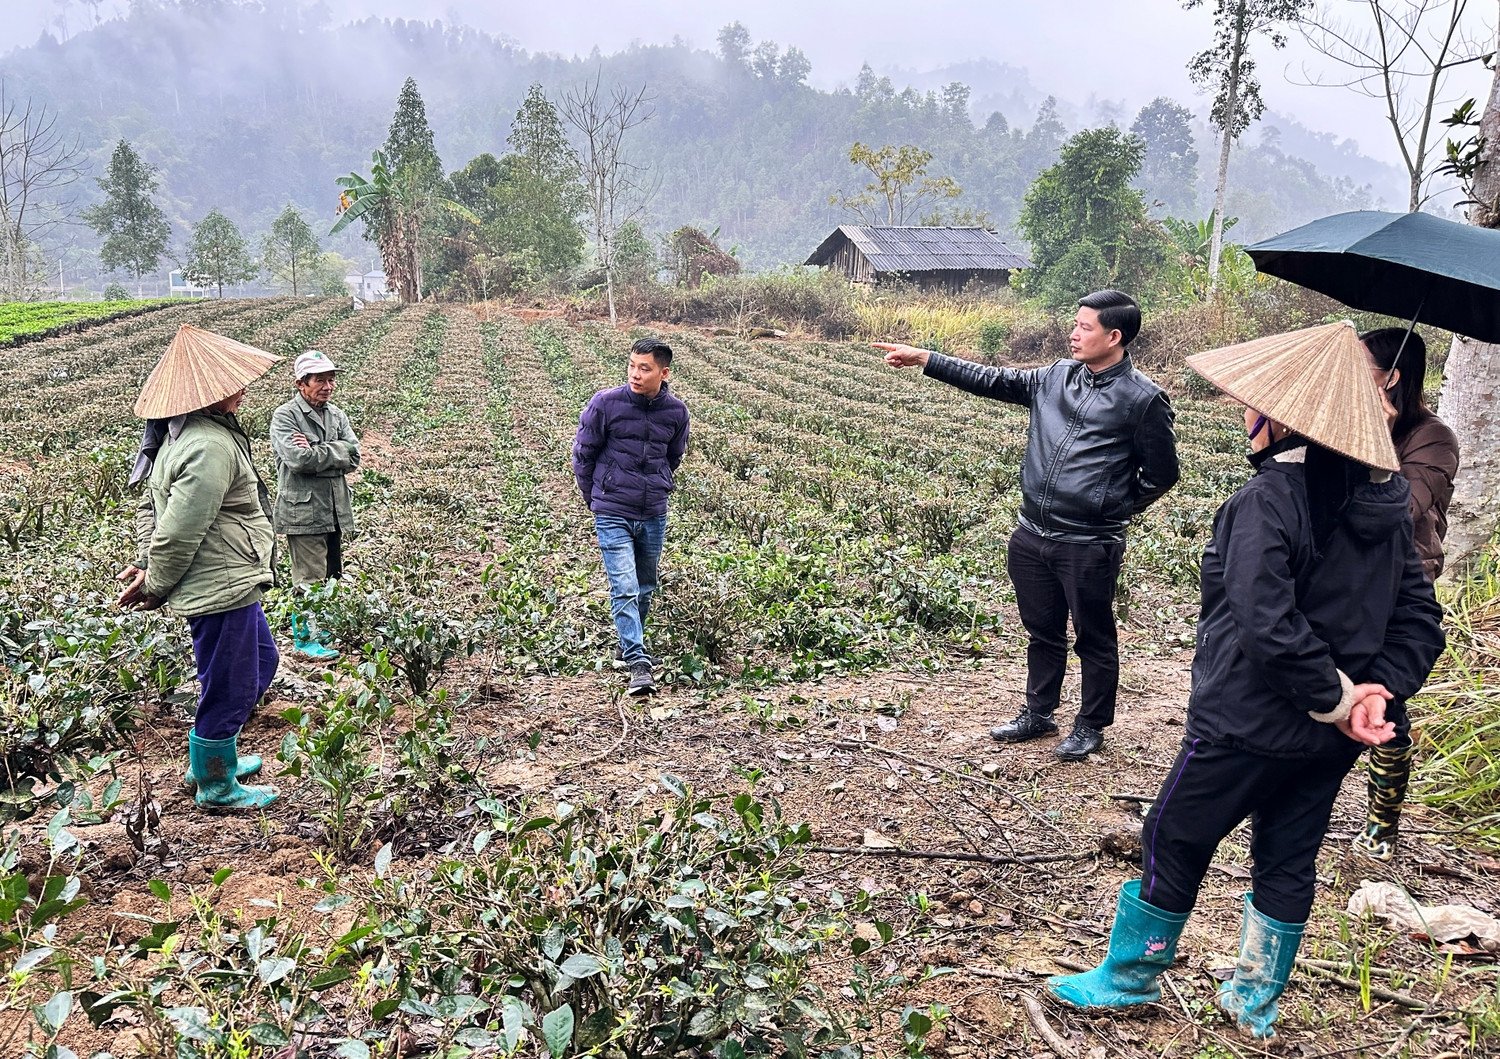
394	203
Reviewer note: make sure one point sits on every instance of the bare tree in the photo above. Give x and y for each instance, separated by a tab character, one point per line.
616	187
1399	52
37	164
1228	70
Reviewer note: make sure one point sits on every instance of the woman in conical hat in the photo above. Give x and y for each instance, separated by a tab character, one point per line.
1316	625
205	547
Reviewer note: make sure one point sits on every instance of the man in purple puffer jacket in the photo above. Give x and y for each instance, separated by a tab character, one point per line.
630	441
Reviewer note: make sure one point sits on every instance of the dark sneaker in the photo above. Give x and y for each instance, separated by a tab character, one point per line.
1081	742
619	660
641	682
1026	727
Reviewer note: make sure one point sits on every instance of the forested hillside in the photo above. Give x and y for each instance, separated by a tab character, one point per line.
246	111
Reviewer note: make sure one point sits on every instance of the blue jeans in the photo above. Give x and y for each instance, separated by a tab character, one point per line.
631	552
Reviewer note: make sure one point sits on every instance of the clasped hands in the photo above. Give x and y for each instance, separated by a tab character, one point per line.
1366	722
133	598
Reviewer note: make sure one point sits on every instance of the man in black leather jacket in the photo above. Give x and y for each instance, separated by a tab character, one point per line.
1099	450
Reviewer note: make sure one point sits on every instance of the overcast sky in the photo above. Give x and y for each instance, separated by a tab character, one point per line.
1126	51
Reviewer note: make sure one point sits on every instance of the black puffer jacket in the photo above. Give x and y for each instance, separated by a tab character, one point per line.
1099	447
1279	619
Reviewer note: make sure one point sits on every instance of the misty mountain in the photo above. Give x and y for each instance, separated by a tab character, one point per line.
246	109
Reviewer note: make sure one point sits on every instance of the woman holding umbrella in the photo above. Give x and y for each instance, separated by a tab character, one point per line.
1316	623
1428	453
205	547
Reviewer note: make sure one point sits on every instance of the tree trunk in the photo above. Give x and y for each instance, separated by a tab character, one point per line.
1226	143
1471	378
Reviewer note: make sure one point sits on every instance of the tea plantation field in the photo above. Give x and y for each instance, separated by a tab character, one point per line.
804	845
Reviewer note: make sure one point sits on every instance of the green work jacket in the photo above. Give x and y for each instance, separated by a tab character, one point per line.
312	494
205	541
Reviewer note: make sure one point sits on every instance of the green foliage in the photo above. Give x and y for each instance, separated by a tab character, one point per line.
1169	166
1226	68
899	183
134	228
218	254
992	335
1087	226
635	257
526	205
33	320
73	684
417	638
677	931
409	144
1080	269
399	206
114	292
332	747
289	251
1462	157
808	299
199	984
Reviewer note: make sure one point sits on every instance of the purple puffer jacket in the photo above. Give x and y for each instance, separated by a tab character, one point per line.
626	450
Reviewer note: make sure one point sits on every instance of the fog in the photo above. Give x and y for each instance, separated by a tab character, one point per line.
1082	51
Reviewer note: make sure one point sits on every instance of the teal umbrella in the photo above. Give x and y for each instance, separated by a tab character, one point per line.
1412	265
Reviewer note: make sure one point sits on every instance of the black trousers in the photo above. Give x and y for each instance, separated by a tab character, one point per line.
1208	791
1055	580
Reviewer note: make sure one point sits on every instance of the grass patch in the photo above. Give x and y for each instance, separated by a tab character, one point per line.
25	321
1458	764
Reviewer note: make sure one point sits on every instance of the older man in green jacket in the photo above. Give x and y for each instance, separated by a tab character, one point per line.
205	550
315	448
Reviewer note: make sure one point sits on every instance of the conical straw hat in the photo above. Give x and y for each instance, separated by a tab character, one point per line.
199	369
1315	381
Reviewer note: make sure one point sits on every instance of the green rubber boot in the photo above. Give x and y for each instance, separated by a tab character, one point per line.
305	641
1390	775
213	763
1268	950
246	765
1142	944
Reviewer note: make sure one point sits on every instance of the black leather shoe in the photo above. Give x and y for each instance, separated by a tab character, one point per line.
1026	727
1081	742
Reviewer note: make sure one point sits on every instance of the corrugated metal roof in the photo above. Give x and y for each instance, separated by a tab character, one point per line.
903	248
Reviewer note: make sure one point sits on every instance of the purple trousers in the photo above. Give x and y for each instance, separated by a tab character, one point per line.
236	659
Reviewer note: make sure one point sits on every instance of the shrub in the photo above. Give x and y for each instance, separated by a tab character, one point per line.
794	298
992	335
679	931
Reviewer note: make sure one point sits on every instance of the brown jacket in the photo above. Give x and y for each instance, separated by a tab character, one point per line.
1429	460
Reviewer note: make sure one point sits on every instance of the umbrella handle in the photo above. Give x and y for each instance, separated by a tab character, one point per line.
1390	375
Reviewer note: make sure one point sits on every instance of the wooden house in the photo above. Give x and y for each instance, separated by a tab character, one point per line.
947	258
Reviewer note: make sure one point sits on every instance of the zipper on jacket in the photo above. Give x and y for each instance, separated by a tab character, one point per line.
1049	483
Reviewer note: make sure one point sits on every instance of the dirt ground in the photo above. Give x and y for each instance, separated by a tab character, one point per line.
899	759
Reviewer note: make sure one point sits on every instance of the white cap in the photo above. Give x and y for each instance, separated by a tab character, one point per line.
311	363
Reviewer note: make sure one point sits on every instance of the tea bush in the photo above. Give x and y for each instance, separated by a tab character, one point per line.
680	930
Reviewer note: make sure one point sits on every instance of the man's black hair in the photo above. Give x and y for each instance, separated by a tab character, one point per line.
654	348
1117	312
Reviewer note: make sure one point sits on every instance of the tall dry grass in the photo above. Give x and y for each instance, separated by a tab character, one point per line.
1457	716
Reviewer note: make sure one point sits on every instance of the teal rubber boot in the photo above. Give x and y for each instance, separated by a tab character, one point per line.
246	765
305	641
1142	944
1268	950
213	763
